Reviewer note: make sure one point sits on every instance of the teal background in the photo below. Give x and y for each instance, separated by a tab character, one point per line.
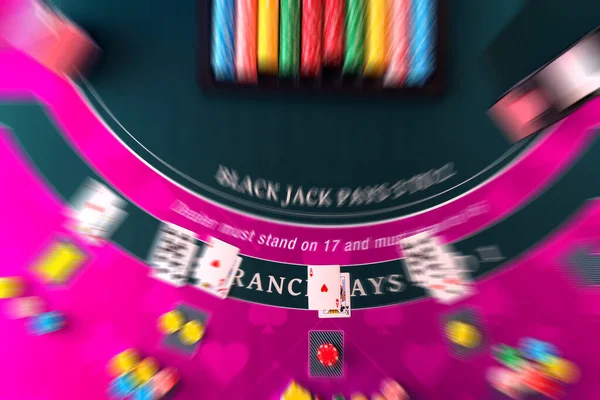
147	78
541	31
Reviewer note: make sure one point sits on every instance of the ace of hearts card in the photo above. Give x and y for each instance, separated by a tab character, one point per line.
323	287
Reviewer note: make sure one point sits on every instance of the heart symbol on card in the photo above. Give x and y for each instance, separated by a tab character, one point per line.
215	264
324	288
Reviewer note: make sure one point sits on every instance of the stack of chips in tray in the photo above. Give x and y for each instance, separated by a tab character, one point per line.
357	43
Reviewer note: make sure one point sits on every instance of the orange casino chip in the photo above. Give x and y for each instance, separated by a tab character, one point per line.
328	354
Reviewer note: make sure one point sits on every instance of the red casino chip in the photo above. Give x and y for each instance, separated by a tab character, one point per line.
328	354
311	51
333	32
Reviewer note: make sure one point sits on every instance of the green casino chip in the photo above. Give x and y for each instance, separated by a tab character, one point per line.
355	36
289	38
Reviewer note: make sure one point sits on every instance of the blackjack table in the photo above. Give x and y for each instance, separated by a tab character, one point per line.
296	179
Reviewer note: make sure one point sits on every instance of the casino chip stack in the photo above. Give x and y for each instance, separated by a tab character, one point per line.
391	41
139	380
223	52
31	308
535	367
183	328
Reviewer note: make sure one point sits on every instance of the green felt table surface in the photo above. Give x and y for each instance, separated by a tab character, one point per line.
146	79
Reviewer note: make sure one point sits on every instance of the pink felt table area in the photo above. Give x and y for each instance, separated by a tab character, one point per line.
251	351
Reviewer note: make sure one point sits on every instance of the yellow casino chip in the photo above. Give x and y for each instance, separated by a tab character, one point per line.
562	369
123	362
11	287
358	396
191	332
463	334
170	322
146	369
59	262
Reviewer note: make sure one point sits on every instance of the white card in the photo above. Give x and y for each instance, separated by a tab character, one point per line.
224	287
223	291
172	254
97	194
97	212
460	264
323	287
216	263
423	255
450	284
96	228
345	309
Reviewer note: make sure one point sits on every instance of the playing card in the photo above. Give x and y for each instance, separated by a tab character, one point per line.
223	289
323	287
172	253
436	268
450	283
216	262
450	293
423	256
95	193
217	267
96	227
96	212
344	311
458	270
223	286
